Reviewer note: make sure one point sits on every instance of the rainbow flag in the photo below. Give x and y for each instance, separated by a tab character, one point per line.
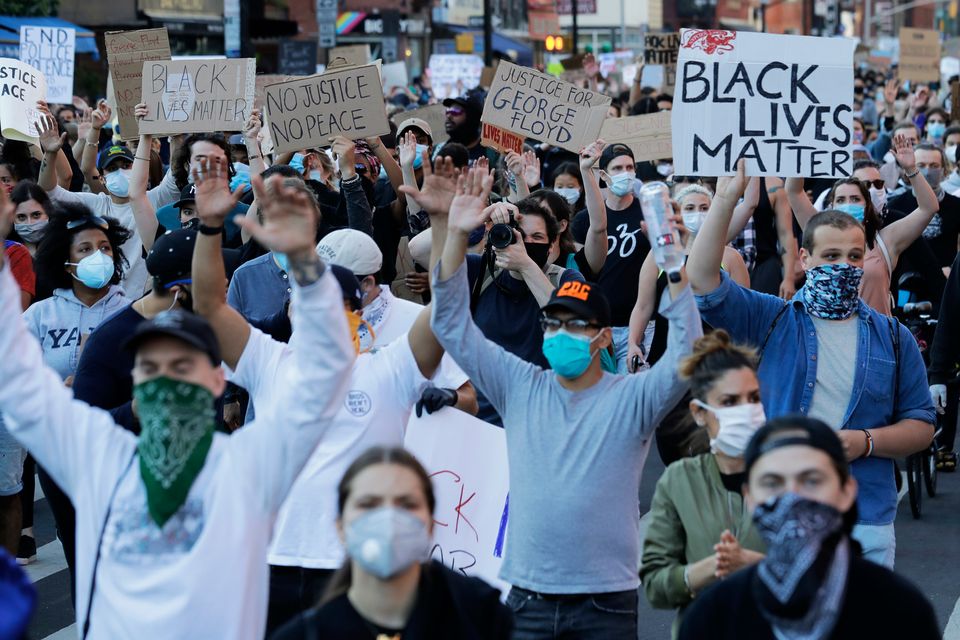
348	21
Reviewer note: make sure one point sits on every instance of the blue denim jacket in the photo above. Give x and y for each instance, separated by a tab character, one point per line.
788	372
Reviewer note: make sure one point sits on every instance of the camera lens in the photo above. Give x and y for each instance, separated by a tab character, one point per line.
501	236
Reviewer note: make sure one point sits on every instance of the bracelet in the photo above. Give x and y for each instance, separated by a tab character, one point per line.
910	176
210	231
139	158
249	157
869	452
355	178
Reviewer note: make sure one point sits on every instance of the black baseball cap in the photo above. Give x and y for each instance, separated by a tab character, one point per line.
111	153
583	299
171	257
796	429
182	325
188	195
614	151
349	284
472	103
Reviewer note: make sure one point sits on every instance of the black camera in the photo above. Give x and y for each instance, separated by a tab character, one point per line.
501	235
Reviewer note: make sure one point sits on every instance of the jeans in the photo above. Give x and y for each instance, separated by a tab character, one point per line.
12	456
293	590
588	616
879	543
621	345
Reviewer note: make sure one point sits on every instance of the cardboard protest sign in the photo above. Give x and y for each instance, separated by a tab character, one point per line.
51	51
435	115
781	102
297	57
351	54
919	55
467	462
394	75
126	53
454	74
307	112
20	87
536	105
260	87
193	96
661	50
500	140
648	136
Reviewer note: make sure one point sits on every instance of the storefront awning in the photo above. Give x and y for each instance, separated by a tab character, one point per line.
10	34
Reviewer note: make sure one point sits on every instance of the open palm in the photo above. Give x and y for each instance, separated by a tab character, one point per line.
214	199
468	209
903	152
732	187
439	188
289	217
50	139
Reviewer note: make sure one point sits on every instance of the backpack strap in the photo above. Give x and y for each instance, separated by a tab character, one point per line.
766	338
894	326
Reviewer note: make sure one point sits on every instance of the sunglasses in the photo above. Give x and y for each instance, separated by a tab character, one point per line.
455	111
876	184
91	219
575	324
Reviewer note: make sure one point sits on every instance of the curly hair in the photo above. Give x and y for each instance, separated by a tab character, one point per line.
713	356
54	250
180	165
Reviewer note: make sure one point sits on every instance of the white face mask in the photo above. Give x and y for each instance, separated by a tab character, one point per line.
951	151
693	220
118	182
879	199
570	194
737	426
664	169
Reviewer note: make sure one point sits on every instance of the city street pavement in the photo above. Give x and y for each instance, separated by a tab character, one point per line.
928	550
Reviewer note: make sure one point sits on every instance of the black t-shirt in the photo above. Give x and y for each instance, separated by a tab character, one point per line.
943	241
877	604
627	247
449	606
765	226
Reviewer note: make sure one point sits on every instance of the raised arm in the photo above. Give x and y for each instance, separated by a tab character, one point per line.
436	197
386	159
703	266
799	201
88	161
595	242
50	143
788	242
899	235
144	214
251	132
744	209
407	149
359	213
209	279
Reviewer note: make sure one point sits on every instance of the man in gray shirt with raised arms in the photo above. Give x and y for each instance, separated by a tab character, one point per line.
577	438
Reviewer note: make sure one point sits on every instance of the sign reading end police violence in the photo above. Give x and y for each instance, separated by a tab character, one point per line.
791	116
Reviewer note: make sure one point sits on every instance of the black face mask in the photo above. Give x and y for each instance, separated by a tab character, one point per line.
538	252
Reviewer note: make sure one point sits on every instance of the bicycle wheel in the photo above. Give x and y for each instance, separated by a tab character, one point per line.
930	471
914	485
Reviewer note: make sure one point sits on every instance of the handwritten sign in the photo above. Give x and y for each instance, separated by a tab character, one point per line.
467	461
919	55
192	96
662	50
435	115
536	105
500	140
454	74
297	57
351	54
126	53
307	112
648	136
20	87
51	51
781	102
260	87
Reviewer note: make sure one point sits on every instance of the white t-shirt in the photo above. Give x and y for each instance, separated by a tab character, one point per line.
384	386
135	277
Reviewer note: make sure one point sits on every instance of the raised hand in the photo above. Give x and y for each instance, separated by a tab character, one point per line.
531	169
214	199
514	162
469	208
408	150
482	164
732	187
904	154
290	218
590	154
141	111
345	150
438	190
51	141
251	128
101	115
83	124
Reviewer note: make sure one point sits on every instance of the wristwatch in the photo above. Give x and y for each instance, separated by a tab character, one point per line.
210	231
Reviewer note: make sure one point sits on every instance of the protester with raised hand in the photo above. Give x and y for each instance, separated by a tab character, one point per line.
812	583
884	245
576	437
384	385
594	241
179	495
826	354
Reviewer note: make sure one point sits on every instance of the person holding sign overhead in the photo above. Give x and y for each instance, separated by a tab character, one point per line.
826	354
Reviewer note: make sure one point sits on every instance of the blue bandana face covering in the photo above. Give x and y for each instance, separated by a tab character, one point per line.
832	290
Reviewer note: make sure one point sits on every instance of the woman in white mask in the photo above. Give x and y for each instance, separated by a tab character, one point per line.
389	588
32	215
700	530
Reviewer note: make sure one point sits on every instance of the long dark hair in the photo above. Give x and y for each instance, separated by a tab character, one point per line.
341	580
561	210
27	190
181	160
54	249
871	219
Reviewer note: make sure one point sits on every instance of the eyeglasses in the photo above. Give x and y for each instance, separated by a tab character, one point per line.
574	324
455	111
876	184
91	219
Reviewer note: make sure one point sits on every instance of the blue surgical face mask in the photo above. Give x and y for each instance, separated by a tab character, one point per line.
297	162
282	260
622	184
418	158
387	541
568	354
316	175
936	129
241	175
570	194
607	363
118	182
852	209
383	173
95	271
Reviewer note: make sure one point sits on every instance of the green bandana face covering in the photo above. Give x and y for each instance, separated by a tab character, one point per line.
177	421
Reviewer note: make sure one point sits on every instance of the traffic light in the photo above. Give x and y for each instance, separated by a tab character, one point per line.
554	43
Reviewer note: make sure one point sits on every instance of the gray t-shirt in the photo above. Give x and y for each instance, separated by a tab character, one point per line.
836	369
575	457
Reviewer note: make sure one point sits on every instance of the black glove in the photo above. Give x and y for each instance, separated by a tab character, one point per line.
434	399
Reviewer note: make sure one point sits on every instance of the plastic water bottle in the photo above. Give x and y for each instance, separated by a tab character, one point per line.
663	234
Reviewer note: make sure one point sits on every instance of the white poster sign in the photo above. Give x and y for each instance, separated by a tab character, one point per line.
467	461
51	51
781	102
454	74
20	87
